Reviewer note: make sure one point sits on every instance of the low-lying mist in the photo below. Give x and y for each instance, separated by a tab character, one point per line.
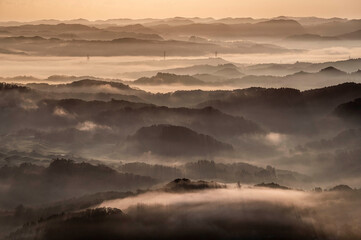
118	67
241	212
324	215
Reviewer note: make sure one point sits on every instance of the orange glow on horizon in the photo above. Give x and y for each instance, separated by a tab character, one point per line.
25	10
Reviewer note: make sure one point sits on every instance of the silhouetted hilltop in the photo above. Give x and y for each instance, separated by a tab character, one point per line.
202	69
132	41
331	71
10	87
92	83
185	185
280	26
286	22
341	188
20	78
350	111
66	78
334	94
171	140
87	89
220	71
69	167
168	79
272	185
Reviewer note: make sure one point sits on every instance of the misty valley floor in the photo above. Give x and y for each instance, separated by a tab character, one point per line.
184	209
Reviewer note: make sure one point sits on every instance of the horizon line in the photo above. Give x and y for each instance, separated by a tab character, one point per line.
165	18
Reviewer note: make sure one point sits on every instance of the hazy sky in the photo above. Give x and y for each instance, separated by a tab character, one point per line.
105	9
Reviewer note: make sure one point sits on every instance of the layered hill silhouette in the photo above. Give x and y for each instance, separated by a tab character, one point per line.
134	115
349	138
32	184
168	140
304	21
223	71
97	127
335	28
253	103
227	107
128	46
231	76
287	104
88	89
349	65
311	28
80	31
270	28
133	28
301	80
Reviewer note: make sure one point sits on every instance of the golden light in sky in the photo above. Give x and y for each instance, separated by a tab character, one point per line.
105	9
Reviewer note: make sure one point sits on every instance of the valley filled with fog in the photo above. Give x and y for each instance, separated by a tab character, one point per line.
115	128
